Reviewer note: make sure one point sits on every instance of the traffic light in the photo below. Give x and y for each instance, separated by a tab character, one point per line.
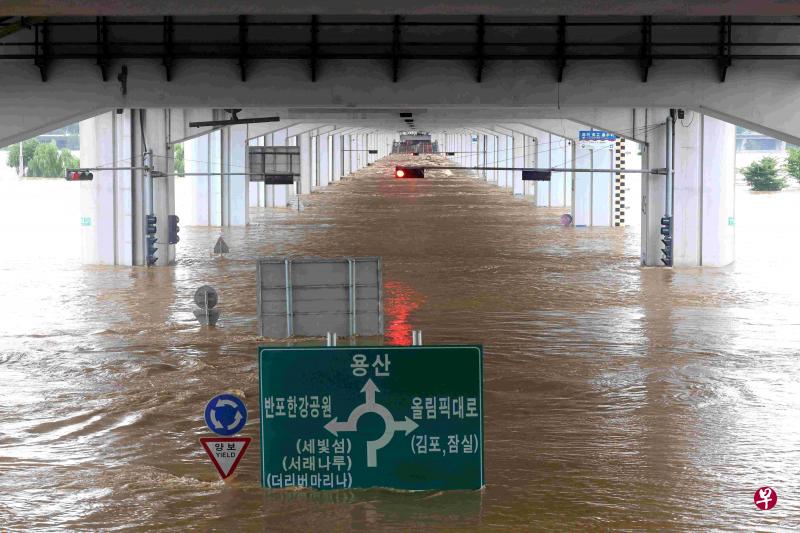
666	239
79	175
172	221
151	240
409	172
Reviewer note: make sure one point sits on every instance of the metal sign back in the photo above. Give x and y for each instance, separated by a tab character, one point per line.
536	175
312	296
274	164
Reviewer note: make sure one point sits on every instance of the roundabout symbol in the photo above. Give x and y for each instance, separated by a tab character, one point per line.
226	414
370	406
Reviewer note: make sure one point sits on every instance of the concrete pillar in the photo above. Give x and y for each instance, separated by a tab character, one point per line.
157	137
491	156
107	203
593	192
304	141
472	144
323	159
703	230
280	193
502	152
481	148
196	153
544	159
215	178
236	188
337	157
582	189
530	188
653	199
345	155
559	152
518	161
256	195
717	230
352	155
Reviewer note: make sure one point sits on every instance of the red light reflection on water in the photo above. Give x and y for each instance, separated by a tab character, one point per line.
400	301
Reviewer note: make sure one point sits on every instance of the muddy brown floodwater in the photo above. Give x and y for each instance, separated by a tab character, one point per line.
615	396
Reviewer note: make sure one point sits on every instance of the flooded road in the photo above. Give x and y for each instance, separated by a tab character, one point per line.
615	396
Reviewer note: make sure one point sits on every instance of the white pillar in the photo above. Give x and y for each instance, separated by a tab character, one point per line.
593	193
582	190
544	159
557	154
502	152
603	187
107	202
197	161
353	147
237	187
719	171
256	188
703	192
703	230
653	198
337	158
215	178
323	161
304	141
518	161
158	137
280	193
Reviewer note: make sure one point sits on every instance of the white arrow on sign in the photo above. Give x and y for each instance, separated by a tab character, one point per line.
370	406
223	403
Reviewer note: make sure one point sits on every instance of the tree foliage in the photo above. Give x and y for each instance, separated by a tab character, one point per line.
763	175
67	160
179	160
49	162
28	149
792	165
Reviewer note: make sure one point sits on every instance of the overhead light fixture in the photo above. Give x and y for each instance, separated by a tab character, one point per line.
234	120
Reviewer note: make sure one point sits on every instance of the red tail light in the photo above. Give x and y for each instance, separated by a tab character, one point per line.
409	172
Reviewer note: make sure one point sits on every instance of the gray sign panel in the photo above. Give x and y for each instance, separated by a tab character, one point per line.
274	164
310	297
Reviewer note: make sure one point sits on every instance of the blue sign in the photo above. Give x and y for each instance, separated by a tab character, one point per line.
596	135
226	414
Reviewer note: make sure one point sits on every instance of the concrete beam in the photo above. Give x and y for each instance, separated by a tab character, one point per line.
396	7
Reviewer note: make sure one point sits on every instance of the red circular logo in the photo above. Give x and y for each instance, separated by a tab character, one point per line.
765	498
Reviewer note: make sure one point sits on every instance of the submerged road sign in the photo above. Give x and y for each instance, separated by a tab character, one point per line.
225	414
225	452
388	416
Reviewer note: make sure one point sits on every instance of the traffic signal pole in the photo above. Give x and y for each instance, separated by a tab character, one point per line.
667	221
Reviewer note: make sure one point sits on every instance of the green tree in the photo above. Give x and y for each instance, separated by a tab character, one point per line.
28	149
67	160
46	162
792	165
179	160
763	175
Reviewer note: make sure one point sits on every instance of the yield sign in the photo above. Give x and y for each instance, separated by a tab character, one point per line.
225	452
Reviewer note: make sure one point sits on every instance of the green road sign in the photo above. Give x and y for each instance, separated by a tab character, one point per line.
388	416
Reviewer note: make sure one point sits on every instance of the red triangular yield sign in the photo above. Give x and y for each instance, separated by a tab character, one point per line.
225	452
